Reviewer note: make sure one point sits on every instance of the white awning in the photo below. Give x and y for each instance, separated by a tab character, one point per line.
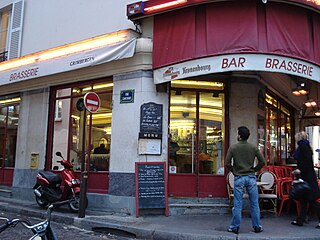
238	62
69	62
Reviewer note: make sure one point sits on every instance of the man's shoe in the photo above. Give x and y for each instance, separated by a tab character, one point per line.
234	230
257	229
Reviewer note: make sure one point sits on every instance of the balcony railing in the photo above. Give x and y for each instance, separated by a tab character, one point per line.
3	56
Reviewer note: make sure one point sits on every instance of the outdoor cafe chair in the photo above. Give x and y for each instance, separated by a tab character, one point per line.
285	187
268	191
230	188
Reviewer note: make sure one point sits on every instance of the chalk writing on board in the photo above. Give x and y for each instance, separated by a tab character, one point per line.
151	117
151	186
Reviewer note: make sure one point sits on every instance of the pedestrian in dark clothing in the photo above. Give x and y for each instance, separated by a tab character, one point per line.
303	155
244	155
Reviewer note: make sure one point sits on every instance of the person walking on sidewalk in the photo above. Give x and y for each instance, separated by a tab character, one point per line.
303	156
240	161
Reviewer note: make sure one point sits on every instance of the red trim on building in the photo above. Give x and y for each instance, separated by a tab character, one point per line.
159	6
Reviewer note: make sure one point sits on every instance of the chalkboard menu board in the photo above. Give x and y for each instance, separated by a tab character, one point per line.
151	186
151	118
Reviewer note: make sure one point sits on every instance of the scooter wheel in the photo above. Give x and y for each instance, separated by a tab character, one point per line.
74	203
42	201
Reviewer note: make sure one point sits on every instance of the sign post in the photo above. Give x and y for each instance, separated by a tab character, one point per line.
90	102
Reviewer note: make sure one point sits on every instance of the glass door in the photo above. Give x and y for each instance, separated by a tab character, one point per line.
211	134
9	119
196	154
83	138
183	131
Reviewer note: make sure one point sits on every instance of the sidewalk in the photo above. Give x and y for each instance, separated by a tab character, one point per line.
172	227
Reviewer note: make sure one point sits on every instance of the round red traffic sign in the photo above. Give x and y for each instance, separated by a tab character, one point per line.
92	102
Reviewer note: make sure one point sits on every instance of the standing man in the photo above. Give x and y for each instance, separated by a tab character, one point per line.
243	155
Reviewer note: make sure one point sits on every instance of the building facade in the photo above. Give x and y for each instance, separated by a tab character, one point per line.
175	80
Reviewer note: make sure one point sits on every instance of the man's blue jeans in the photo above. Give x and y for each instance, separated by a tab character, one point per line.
249	184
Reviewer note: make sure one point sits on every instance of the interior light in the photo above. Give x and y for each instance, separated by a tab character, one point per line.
164	5
317	113
76	117
72	48
307	104
11	100
296	92
98	86
102	115
300	90
310	103
198	83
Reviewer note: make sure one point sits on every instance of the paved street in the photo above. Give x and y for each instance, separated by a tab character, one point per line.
158	227
63	231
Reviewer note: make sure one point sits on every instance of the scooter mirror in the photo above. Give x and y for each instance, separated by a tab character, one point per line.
59	154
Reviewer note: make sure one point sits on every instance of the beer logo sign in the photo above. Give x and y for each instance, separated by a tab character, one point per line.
171	73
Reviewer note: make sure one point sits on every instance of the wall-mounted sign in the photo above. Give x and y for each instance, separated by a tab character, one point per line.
127	96
150	135
149	146
66	63
237	62
151	118
92	102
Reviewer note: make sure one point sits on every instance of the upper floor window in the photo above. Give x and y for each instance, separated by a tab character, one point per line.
4	34
11	23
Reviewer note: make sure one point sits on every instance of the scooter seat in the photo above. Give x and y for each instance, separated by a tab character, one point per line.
51	177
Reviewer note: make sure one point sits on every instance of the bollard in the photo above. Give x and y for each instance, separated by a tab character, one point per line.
83	195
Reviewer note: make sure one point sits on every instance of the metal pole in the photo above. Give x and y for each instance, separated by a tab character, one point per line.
83	195
84	174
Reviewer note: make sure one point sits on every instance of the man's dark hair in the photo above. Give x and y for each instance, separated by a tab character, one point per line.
243	132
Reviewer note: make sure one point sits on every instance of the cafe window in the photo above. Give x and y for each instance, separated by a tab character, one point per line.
197	128
278	131
9	120
77	134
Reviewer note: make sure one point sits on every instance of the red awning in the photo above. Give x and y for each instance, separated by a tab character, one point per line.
235	27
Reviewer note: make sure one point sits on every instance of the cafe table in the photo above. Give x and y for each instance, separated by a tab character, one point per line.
259	183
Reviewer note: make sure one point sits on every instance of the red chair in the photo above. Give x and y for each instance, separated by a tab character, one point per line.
285	187
281	174
288	171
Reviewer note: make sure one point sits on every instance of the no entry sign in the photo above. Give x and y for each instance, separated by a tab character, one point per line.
92	102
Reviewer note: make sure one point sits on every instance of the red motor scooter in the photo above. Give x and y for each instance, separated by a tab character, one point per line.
48	189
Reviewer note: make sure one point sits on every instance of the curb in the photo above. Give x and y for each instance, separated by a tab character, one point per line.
144	228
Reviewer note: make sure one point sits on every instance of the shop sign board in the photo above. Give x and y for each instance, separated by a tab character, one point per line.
92	102
67	63
151	187
238	62
151	118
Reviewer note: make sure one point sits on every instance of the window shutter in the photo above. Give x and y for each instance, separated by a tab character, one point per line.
16	29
